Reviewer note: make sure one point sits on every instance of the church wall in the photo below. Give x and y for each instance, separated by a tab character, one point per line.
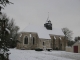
19	45
25	46
34	46
64	43
57	43
30	44
47	43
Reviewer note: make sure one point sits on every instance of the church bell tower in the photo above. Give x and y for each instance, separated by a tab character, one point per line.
48	24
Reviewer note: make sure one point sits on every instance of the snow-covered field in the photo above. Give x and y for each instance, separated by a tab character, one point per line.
42	55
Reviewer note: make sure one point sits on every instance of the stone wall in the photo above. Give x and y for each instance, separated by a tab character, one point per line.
30	44
48	43
58	43
69	49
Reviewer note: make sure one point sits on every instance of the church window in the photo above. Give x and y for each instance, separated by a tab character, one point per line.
33	40
43	43
54	41
26	40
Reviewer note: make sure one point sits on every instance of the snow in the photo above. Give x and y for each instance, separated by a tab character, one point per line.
7	30
10	38
42	55
54	37
60	38
42	31
1	52
4	52
20	35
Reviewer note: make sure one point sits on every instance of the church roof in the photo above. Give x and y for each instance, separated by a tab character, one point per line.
42	31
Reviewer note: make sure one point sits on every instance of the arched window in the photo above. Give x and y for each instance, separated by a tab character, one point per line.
43	43
26	40
33	40
54	41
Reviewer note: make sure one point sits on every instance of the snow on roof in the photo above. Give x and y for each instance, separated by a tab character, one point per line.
42	31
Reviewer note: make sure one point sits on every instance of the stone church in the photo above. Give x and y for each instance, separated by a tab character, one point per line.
46	36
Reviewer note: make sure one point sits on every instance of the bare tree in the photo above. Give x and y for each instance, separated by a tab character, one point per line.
68	33
4	3
14	32
68	36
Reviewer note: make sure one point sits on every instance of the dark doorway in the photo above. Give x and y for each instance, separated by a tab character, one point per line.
75	49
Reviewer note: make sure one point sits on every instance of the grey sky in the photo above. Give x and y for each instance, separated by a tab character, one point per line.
62	13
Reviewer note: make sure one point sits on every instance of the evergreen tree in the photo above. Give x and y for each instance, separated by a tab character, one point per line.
3	32
77	38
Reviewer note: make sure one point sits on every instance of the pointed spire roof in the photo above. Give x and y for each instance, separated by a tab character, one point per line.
47	18
48	23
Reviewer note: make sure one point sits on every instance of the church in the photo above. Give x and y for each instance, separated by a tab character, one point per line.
46	36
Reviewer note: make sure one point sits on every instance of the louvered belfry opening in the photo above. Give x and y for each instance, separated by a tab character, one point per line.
48	25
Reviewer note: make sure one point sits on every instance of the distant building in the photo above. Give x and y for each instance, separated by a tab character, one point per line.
46	36
75	47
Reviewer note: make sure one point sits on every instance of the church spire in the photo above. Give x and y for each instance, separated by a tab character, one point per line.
48	23
47	18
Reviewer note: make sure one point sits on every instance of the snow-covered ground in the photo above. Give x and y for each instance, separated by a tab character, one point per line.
42	55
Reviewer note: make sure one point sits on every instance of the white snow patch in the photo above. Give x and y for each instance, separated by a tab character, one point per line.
54	37
60	38
7	30
35	55
20	35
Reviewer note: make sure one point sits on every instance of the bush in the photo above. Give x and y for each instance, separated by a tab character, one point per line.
2	57
38	49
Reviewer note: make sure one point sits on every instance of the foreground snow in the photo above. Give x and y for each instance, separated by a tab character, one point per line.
42	55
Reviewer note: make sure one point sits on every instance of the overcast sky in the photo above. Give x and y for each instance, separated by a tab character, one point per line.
62	13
